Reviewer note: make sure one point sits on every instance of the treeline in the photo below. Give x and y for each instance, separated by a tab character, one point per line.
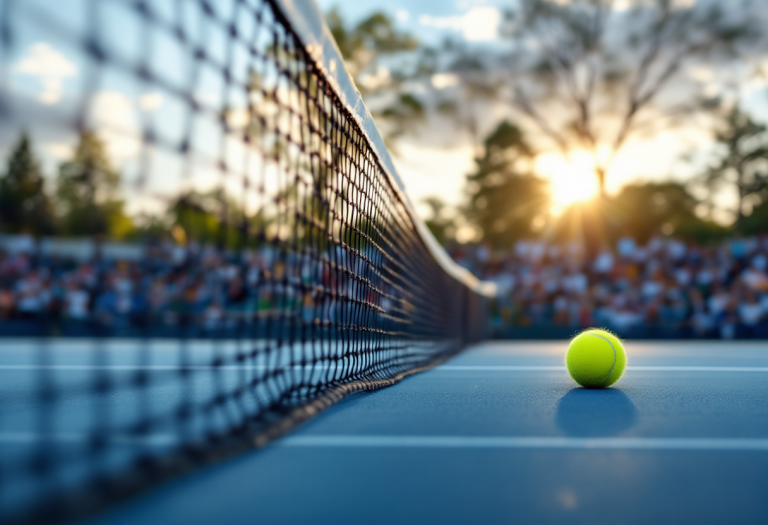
85	198
578	76
507	201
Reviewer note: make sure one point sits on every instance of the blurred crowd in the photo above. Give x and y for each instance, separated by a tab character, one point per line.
168	286
664	288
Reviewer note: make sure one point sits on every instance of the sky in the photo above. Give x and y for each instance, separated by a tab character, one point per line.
45	75
49	81
428	169
429	20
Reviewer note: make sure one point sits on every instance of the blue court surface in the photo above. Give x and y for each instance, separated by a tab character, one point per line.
500	434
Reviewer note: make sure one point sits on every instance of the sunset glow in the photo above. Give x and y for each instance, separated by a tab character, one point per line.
572	177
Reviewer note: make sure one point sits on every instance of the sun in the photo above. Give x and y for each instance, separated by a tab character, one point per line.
572	177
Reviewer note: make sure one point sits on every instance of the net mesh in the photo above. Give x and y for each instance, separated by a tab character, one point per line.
249	263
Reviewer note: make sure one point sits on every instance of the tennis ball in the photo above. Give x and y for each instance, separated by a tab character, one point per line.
595	358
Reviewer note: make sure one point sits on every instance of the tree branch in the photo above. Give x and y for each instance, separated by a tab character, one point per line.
523	104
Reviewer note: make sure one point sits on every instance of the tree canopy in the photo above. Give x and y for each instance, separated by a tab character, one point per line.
505	200
741	163
89	193
588	76
24	204
373	50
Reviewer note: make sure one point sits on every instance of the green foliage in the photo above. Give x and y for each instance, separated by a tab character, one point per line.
213	217
439	223
590	76
404	113
88	192
757	221
640	210
24	205
743	163
505	200
372	50
703	231
378	32
199	217
373	37
645	210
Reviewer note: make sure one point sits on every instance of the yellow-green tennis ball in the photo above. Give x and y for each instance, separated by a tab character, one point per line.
595	358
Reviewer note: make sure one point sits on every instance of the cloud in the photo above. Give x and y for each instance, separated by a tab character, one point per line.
150	101
477	24
381	77
402	15
208	99
712	90
444	80
52	91
481	23
441	22
623	5
701	73
44	61
51	67
115	119
58	150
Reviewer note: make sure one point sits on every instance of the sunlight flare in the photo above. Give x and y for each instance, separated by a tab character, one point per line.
572	177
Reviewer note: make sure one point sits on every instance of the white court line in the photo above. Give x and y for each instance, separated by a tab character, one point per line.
566	443
446	368
161	367
466	442
23	438
503	368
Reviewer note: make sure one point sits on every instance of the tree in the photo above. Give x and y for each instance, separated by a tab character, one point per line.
89	192
588	75
506	201
645	210
757	221
365	46
219	217
201	216
474	87
743	162
371	49
439	223
24	205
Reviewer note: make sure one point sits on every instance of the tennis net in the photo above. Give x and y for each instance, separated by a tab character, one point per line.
220	248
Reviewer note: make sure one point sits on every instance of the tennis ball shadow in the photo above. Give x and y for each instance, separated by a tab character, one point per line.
585	412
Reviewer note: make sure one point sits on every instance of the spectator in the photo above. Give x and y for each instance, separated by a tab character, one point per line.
76	302
664	287
7	302
751	313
